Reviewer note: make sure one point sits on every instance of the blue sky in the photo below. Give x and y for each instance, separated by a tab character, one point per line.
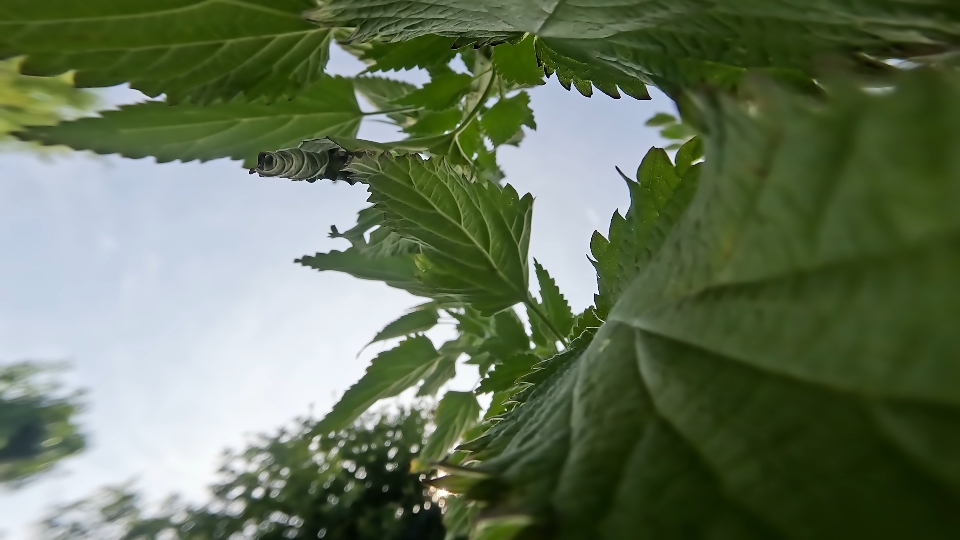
172	290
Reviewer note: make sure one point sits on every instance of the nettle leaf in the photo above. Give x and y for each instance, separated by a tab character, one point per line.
191	50
409	323
474	236
585	75
446	369
390	373
657	199
517	63
399	271
187	132
555	305
422	52
367	219
381	92
456	413
435	123
442	92
504	119
785	367
505	374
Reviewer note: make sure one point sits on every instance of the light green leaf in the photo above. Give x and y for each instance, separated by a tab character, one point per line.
399	271
502	122
688	154
235	130
657	199
390	373
367	219
442	92
555	306
517	63
456	413
191	50
474	236
661	119
458	513
446	369
786	366
410	323
381	92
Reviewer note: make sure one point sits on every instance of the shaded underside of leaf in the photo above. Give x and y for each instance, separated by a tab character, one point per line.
786	366
191	50
236	130
399	271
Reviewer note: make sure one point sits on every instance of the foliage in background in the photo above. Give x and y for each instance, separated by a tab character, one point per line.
298	483
771	350
36	101
37	422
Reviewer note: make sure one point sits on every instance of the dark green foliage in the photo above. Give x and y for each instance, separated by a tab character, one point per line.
201	51
354	484
37	422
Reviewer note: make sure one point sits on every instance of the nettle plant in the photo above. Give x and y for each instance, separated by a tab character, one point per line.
773	348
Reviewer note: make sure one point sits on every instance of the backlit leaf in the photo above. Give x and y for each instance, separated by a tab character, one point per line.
455	414
390	373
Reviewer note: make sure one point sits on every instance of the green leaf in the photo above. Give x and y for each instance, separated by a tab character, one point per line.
381	92
555	305
507	336
435	123
442	92
367	219
455	414
517	63
446	369
661	119
585	75
785	367
502	122
410	323
657	199
399	271
390	373
688	154
458	513
505	374
474	236
235	130
191	50
422	52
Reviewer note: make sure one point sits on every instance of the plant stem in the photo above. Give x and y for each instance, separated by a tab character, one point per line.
553	329
390	111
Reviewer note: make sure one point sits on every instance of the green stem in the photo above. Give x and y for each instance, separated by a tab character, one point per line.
390	111
553	329
476	108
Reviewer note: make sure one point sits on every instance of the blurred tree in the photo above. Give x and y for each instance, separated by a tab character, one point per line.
37	427
354	484
37	101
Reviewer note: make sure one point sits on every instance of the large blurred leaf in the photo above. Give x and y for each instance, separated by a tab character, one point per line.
197	50
787	365
237	130
657	199
474	235
390	373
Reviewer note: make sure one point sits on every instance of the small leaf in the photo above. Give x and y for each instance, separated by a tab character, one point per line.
446	369
688	154
508	336
435	123
474	236
456	413
410	323
234	130
390	373
657	199
381	93
505	118
398	271
555	305
661	119
442	92
517	63
367	219
505	374
421	52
